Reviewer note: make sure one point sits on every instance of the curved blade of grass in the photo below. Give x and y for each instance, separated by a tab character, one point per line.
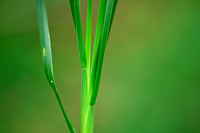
110	9
47	55
45	41
75	9
72	11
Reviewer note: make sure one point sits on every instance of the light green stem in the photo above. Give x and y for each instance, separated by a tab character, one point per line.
88	38
87	111
71	128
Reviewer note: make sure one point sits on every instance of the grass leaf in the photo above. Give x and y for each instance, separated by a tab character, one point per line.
47	55
113	13
72	11
109	14
98	35
45	42
75	9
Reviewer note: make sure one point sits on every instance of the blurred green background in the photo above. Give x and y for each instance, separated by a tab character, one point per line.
151	75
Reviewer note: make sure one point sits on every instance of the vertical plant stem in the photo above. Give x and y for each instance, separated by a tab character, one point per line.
84	96
90	119
87	111
87	114
88	38
71	128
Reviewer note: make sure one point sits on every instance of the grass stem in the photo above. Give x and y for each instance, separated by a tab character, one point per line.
88	38
71	128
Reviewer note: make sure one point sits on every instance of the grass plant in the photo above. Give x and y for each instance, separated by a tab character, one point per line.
91	69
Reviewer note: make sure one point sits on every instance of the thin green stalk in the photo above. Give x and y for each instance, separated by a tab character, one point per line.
88	38
47	55
90	119
87	112
84	100
71	128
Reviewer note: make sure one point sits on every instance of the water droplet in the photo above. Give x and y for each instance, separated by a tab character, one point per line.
51	81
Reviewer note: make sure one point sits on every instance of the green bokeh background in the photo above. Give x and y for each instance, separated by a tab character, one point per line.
151	75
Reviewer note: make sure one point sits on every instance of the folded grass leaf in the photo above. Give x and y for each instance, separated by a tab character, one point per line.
47	55
113	13
98	35
109	14
45	42
75	9
72	11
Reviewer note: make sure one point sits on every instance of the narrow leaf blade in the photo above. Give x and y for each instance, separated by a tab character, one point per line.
104	38
99	27
72	11
75	9
47	55
113	13
45	41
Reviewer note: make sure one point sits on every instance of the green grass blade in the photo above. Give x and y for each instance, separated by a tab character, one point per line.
45	41
75	9
47	55
70	126
104	38
98	35
113	13
88	37
72	11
